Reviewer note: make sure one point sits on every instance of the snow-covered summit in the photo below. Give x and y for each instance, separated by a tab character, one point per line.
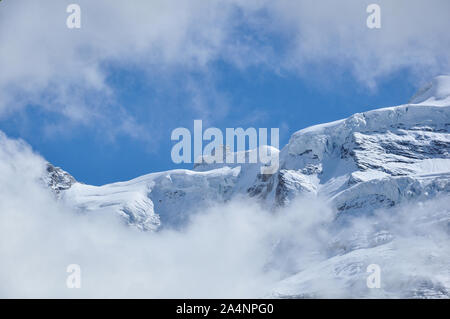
437	92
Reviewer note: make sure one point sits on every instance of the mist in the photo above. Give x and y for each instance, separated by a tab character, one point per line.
233	250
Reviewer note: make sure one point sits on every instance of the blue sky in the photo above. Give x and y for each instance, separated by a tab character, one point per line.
102	101
257	98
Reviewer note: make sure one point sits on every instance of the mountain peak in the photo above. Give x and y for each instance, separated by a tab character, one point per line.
436	91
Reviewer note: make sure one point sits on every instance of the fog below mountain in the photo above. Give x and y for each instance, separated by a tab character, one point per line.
235	249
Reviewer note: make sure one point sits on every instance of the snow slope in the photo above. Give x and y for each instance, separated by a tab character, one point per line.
370	160
150	200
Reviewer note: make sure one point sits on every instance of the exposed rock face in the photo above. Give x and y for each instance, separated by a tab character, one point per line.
57	179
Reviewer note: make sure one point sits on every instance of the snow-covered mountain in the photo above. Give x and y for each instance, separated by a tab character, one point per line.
369	161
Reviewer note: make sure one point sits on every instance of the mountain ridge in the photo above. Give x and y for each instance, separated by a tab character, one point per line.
370	160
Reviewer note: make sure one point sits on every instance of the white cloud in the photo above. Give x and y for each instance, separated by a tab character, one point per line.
334	35
44	63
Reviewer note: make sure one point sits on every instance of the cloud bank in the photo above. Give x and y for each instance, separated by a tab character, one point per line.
66	72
